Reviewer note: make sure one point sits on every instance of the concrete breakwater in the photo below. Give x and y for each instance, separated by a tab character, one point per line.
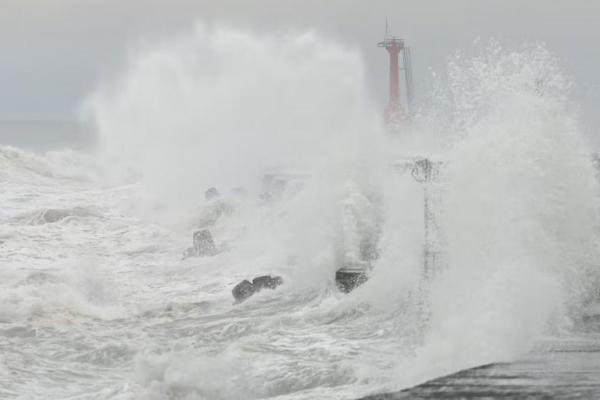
557	370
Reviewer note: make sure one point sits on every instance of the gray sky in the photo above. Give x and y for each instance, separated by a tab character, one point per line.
53	52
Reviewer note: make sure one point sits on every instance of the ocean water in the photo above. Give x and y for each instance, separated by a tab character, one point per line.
97	300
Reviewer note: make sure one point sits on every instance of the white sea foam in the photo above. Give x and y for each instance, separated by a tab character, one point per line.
220	106
520	214
98	293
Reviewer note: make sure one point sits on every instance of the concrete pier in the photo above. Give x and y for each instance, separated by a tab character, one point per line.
563	370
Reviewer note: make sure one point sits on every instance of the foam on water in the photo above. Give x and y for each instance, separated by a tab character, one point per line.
520	214
218	106
97	301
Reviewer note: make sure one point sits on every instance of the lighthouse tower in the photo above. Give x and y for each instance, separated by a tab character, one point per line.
397	110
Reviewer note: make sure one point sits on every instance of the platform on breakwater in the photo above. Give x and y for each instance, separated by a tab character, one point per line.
562	370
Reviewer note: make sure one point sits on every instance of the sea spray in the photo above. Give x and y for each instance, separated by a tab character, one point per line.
520	213
221	106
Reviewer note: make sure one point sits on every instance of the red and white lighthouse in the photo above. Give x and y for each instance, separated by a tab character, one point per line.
397	109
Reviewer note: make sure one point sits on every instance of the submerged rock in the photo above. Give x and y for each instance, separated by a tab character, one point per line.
203	245
245	289
54	215
211	193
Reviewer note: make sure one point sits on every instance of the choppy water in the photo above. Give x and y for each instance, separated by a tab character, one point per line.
98	302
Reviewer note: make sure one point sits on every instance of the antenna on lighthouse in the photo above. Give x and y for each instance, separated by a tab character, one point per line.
387	28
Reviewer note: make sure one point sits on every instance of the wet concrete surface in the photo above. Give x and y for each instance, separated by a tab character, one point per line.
558	370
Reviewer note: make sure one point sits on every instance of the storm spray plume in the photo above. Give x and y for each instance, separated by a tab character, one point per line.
517	186
519	215
469	234
221	106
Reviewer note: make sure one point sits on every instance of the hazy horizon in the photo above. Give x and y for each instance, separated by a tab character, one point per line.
56	53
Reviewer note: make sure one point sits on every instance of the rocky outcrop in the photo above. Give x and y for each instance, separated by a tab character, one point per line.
245	288
203	245
267	281
348	280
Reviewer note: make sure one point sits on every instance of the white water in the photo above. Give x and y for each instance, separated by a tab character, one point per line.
97	302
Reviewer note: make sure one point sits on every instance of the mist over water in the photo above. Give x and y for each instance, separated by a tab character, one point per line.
93	244
520	211
219	107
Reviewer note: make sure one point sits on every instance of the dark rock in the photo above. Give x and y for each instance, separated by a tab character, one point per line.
211	193
243	290
204	244
267	281
53	215
347	280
